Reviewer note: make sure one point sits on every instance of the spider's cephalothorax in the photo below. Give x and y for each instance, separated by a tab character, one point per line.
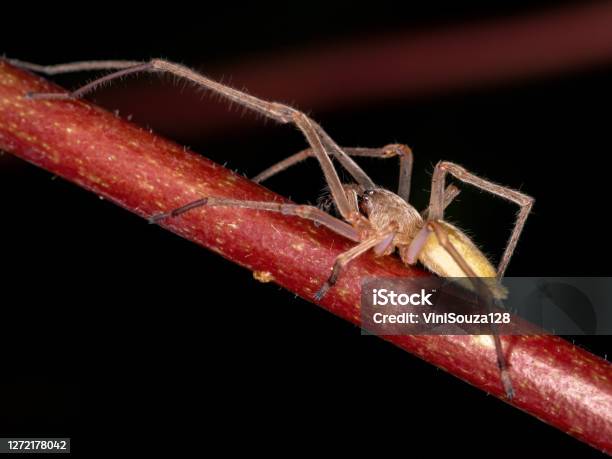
383	207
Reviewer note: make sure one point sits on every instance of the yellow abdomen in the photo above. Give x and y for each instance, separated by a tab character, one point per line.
435	257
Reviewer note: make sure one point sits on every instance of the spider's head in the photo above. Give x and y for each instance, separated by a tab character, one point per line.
383	207
374	202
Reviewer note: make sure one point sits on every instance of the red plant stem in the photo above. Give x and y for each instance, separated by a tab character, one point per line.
554	380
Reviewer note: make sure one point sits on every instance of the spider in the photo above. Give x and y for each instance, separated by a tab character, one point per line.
373	217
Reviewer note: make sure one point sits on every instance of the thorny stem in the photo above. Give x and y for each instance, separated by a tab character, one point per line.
555	381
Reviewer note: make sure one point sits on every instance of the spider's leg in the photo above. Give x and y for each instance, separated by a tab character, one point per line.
450	194
343	259
308	212
322	145
436	203
388	151
484	292
71	67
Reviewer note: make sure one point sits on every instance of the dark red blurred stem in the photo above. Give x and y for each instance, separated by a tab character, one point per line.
393	66
554	380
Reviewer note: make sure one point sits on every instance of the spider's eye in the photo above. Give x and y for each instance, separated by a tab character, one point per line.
365	196
364	201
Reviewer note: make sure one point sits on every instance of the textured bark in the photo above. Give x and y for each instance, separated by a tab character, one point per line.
555	381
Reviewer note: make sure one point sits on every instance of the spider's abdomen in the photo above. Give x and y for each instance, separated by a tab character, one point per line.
437	259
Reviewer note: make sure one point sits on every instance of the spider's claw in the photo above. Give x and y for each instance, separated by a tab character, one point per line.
48	95
507	383
155	219
322	291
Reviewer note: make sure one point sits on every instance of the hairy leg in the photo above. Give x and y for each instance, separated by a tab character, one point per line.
379	242
71	67
322	145
436	204
346	257
450	194
388	151
308	212
483	292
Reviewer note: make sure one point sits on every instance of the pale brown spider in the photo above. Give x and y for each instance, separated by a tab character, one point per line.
374	218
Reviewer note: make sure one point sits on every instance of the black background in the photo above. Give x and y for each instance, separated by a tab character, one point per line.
112	326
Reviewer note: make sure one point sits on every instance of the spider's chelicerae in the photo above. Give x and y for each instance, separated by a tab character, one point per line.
373	217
